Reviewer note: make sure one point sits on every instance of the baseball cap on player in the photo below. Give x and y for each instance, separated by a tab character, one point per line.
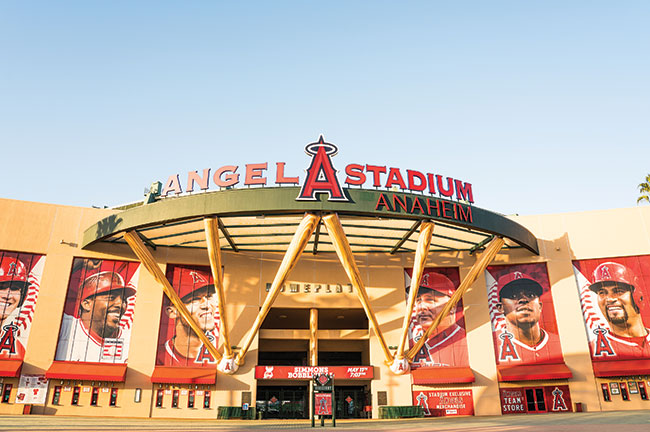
610	273
104	282
508	283
13	273
191	281
436	282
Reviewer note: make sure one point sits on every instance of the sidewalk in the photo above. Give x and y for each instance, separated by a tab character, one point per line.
620	421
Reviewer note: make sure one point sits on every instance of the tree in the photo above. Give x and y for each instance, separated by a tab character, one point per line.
644	190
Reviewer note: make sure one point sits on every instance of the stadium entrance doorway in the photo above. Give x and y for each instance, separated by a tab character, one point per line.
351	401
286	402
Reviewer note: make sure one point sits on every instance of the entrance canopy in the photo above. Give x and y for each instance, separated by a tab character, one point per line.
265	219
284	220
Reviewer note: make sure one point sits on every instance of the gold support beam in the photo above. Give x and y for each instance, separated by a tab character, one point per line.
342	246
296	247
313	337
211	225
143	254
479	266
424	242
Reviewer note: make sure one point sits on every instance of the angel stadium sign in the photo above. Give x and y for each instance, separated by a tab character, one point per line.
322	178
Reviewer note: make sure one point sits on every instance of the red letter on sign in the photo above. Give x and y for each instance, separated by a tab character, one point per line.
449	192
376	170
355	171
395	177
231	179
254	173
281	179
464	191
321	175
412	175
173	185
193	177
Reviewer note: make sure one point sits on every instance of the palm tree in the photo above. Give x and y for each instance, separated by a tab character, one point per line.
644	190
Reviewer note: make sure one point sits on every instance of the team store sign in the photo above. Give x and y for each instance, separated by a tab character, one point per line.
322	177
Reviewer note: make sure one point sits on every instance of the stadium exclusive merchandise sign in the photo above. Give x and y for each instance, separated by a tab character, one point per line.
323	398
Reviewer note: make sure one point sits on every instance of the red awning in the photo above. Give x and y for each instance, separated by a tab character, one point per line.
10	368
621	368
534	372
442	375
87	371
183	375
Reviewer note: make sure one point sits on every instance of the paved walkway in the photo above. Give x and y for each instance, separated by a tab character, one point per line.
625	421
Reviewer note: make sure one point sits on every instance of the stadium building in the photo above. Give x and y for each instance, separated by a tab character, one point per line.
235	286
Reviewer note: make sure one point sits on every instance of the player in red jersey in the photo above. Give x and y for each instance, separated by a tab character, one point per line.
446	346
13	290
185	348
523	340
619	301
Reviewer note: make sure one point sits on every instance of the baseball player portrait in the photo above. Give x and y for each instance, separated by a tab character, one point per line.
13	291
95	331
620	302
517	320
446	346
184	348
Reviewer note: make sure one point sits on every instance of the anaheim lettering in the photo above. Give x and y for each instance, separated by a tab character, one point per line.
424	206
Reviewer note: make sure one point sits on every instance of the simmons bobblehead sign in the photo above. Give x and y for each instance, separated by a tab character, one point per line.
613	293
98	311
177	343
524	329
20	281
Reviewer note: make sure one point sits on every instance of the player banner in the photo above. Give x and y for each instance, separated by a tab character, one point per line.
98	311
20	281
177	343
443	403
524	329
614	298
32	389
447	345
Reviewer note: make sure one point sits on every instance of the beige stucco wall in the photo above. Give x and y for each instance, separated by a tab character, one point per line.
41	228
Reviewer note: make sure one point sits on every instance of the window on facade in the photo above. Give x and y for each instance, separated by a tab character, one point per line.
206	399
113	401
94	396
75	395
190	399
6	394
159	398
56	396
175	399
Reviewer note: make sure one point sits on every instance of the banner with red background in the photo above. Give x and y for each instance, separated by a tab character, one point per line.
447	347
177	343
524	332
20	281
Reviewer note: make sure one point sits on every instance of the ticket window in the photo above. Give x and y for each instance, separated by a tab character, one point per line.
206	399
642	390
113	400
94	396
159	398
190	399
75	395
535	399
175	395
56	396
605	389
6	393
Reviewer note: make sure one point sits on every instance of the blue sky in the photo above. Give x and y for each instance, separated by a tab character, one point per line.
543	106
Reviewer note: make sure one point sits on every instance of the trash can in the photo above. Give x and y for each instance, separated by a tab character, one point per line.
27	409
579	407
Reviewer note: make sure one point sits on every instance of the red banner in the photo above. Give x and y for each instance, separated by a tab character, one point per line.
323	403
442	403
308	372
